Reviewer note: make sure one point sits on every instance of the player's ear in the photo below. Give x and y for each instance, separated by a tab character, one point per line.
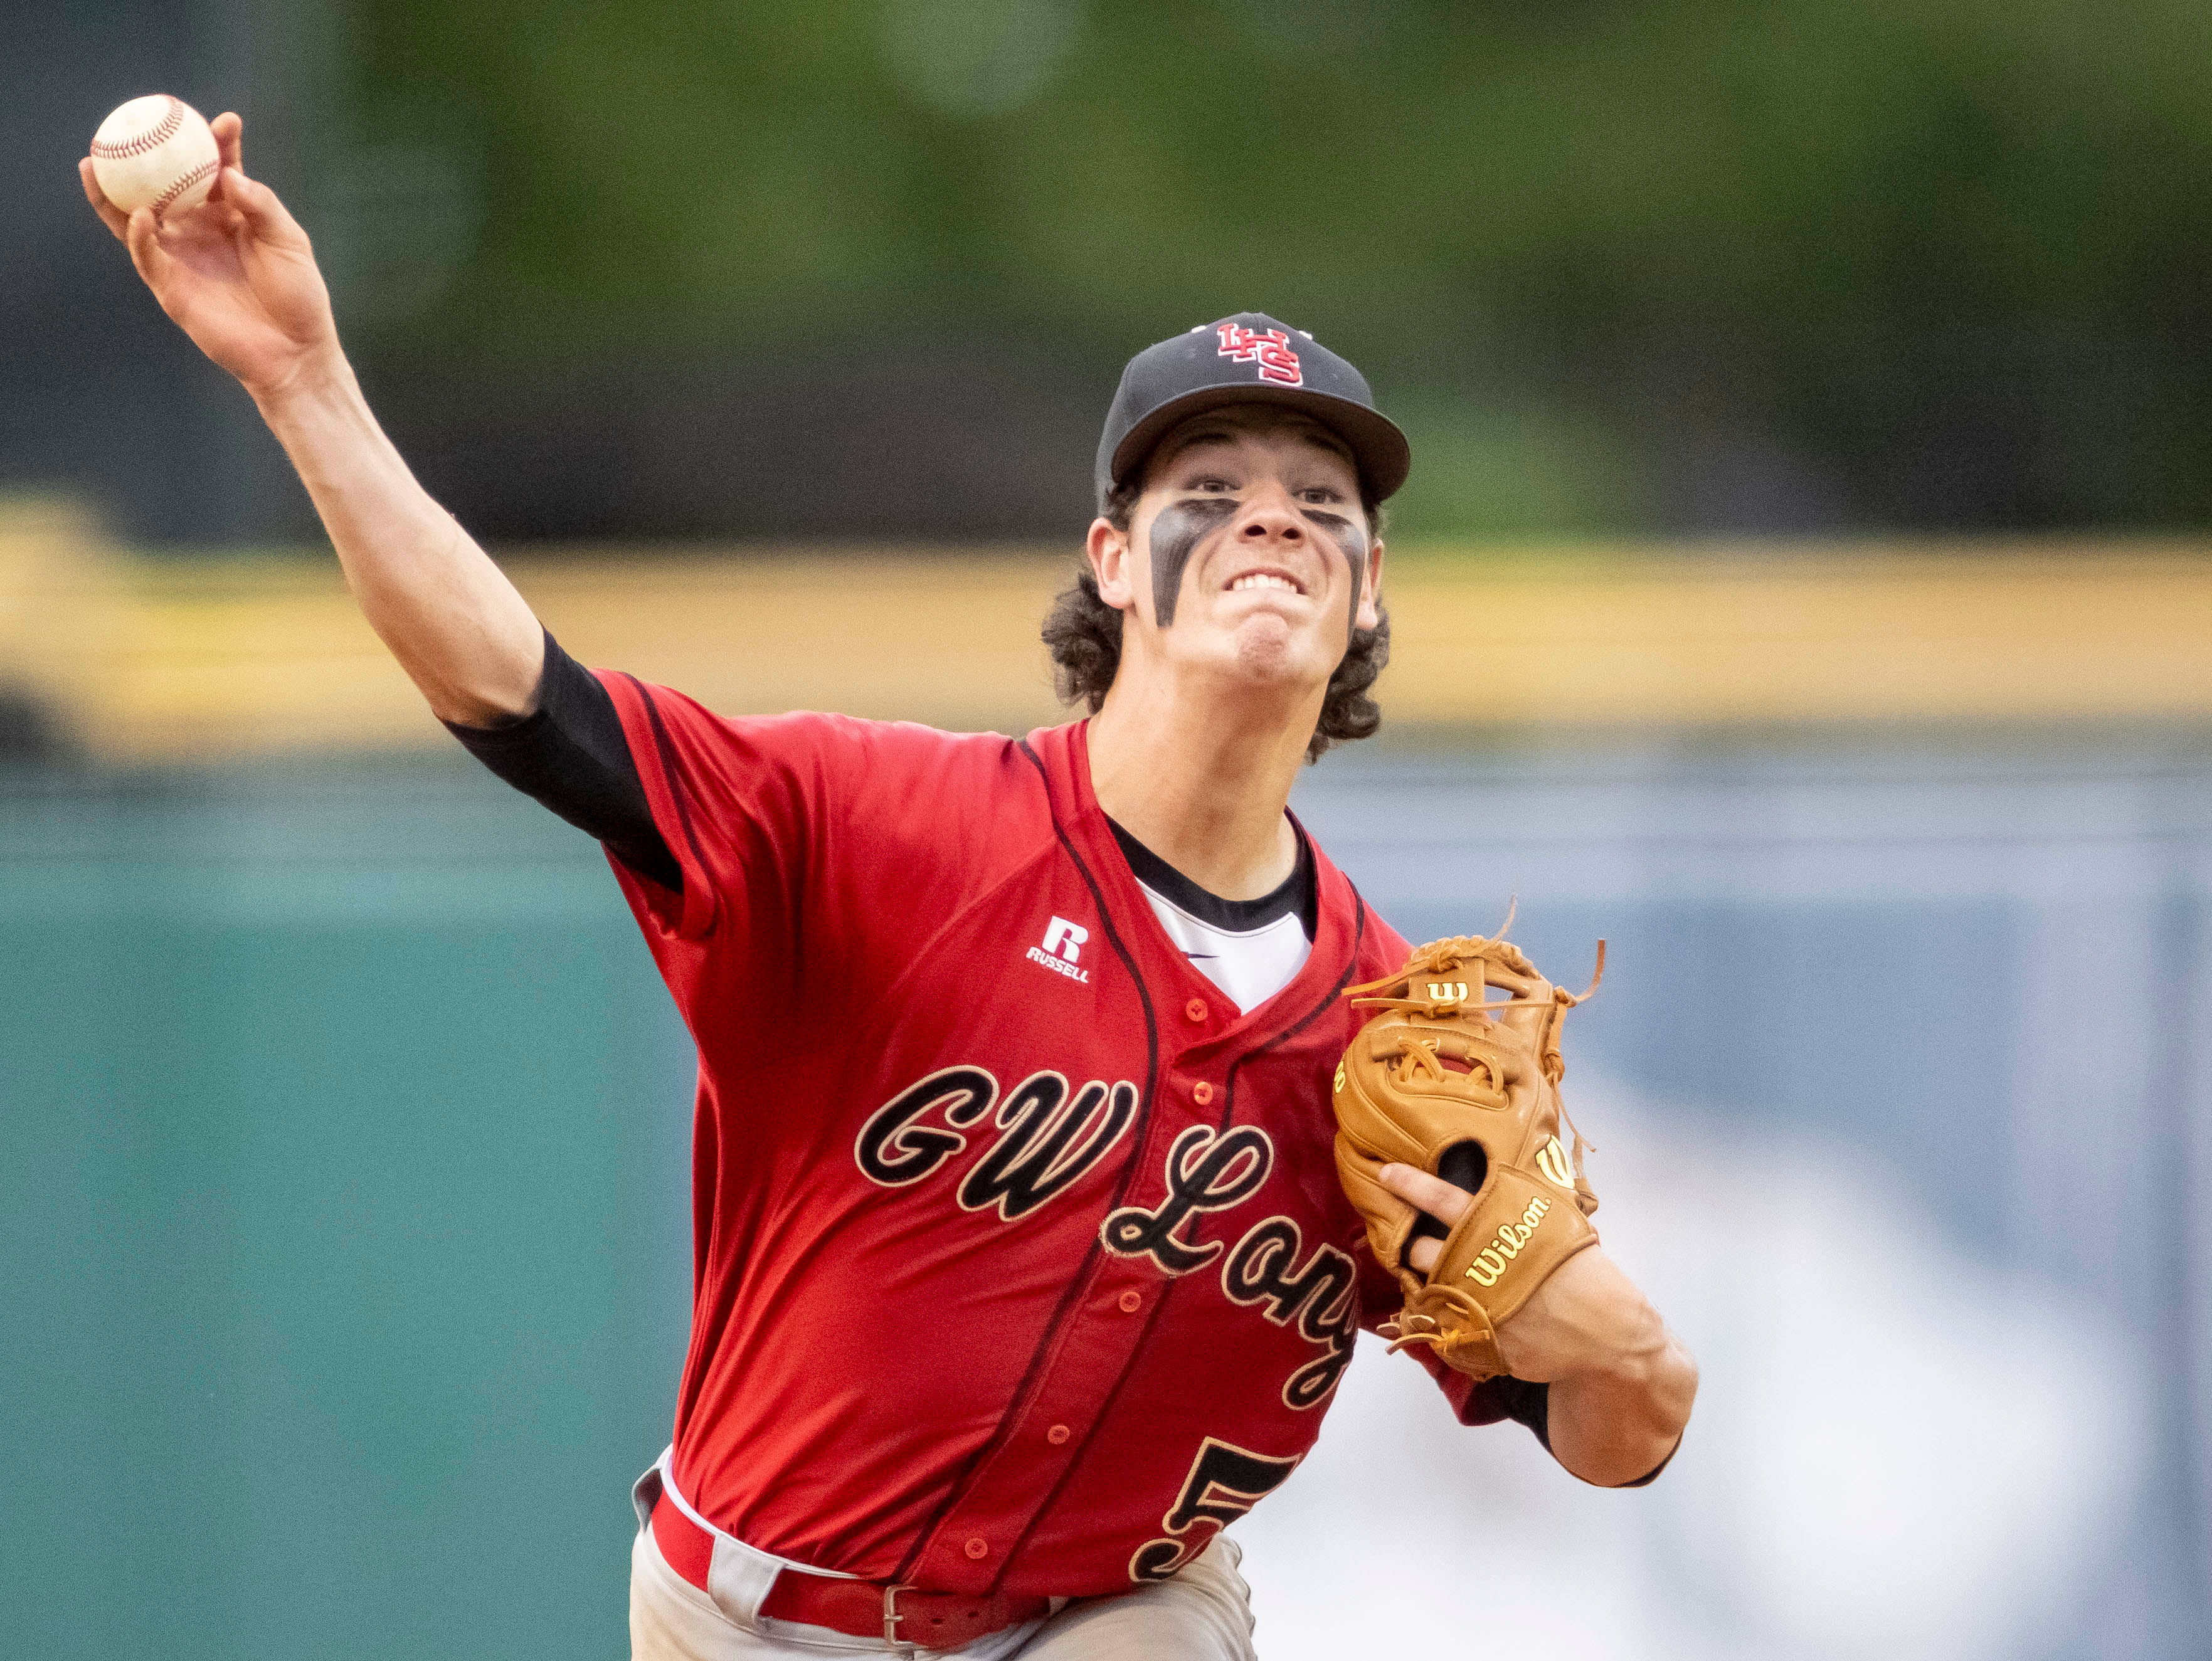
1370	591
1112	562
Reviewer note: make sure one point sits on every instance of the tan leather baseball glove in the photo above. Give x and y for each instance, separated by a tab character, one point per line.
1463	1087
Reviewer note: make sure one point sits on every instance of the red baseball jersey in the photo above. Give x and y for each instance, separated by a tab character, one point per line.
1020	1262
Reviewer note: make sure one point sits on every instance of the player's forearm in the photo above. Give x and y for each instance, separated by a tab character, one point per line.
458	626
1621	1386
1617	1415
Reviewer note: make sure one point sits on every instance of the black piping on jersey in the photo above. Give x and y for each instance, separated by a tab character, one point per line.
1525	1403
1152	1317
1299	892
998	1439
1228	1096
666	748
1328	1001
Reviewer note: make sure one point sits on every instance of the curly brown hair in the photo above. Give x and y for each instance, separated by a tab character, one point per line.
1084	635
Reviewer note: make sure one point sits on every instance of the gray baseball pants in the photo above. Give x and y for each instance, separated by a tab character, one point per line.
1202	1614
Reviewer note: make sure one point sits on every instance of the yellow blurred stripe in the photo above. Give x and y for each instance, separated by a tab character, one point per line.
239	657
2077	632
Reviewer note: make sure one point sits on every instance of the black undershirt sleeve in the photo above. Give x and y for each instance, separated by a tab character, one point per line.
1530	1404
571	756
1525	1404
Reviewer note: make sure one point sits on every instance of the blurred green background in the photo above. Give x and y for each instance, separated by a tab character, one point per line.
699	268
1929	262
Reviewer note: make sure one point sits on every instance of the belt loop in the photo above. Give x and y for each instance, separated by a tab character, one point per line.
645	1492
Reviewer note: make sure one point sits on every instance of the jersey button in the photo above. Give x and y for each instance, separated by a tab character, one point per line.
1201	1093
1057	1434
1195	1008
977	1546
1131	1301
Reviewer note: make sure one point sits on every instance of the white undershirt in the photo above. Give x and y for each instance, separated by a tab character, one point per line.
1250	966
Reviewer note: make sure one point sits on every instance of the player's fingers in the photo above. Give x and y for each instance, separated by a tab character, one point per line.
265	216
143	237
1445	1201
110	216
229	139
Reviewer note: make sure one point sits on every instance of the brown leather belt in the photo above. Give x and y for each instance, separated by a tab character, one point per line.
860	1609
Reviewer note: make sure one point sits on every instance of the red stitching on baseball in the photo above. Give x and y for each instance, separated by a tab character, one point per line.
153	138
161	202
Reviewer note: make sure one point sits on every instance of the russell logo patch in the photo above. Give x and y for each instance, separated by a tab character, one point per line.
1062	948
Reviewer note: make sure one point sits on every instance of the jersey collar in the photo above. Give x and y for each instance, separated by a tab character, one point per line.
1064	754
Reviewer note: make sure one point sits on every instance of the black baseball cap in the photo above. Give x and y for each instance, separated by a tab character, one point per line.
1247	359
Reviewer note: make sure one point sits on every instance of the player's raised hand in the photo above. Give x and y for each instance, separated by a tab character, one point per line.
236	273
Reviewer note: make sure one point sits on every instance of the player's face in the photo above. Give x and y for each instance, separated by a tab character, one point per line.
1248	547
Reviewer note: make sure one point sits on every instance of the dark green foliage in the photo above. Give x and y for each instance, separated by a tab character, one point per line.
1861	230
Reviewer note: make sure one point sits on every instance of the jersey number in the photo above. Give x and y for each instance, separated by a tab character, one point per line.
1225	1481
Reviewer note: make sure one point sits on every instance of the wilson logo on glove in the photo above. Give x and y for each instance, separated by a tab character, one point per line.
1438	1068
1489	1263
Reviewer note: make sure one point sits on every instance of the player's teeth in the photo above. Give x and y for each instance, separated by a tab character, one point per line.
1262	579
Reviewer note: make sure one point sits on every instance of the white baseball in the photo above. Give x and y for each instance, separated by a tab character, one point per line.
155	152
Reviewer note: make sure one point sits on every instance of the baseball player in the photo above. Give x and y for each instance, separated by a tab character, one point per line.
1021	1265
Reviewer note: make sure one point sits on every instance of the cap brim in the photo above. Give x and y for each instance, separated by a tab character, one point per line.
1378	448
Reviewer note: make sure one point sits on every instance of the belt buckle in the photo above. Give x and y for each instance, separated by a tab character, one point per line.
891	1617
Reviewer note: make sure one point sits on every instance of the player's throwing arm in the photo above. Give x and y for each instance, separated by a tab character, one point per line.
236	273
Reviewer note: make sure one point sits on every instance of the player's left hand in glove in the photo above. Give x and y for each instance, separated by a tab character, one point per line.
1466	1089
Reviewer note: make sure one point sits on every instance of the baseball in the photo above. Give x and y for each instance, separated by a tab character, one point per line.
155	152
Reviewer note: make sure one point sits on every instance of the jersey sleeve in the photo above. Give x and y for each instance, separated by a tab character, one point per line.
744	806
814	849
750	809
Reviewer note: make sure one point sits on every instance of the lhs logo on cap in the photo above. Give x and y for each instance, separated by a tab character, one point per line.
1271	351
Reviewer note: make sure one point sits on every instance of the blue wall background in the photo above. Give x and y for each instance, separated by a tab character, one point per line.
1979	965
343	1131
